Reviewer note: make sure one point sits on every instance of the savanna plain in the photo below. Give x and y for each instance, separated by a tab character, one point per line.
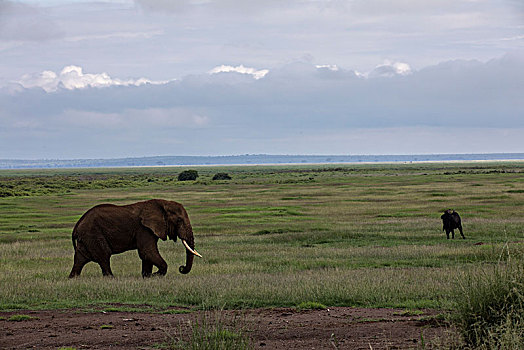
295	256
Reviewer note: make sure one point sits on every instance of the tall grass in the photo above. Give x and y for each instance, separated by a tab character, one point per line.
490	306
354	235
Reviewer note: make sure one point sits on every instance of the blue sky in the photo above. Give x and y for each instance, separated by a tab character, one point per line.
82	79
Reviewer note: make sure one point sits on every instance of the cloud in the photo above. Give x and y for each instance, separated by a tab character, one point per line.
331	67
165	5
393	140
117	35
149	118
21	22
300	94
389	70
301	102
386	7
73	77
245	6
257	74
192	36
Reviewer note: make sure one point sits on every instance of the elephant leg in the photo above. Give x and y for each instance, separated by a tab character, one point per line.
159	262
147	268
101	254
78	265
106	267
151	256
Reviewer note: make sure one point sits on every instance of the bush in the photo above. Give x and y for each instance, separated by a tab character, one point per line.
188	175
221	176
491	307
6	193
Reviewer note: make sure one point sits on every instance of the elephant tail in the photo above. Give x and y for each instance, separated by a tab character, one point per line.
74	235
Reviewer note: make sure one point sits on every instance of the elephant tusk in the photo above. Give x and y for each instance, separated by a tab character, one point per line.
191	250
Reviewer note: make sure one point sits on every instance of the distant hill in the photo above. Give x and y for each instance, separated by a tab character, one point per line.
246	159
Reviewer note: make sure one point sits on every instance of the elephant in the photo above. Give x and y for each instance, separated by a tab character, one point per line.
108	229
451	221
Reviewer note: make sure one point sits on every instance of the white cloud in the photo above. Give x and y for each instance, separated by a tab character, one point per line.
73	77
331	67
257	74
389	70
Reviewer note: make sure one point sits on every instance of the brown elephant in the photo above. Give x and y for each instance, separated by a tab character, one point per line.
109	229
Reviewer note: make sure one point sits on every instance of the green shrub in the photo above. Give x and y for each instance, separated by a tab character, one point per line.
221	176
188	175
491	307
6	193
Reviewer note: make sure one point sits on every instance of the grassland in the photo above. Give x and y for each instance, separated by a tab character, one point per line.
348	235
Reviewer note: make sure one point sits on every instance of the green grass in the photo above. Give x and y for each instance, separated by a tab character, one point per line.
491	307
273	236
311	305
20	318
212	332
175	312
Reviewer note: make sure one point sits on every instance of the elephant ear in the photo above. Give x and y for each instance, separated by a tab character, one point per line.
152	216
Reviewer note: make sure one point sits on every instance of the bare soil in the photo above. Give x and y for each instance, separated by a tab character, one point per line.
279	328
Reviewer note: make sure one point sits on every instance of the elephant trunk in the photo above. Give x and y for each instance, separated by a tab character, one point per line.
189	263
189	255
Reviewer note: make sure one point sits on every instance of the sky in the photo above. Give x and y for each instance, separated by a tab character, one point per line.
133	78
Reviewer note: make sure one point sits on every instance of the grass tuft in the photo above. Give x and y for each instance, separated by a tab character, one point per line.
490	307
212	332
311	305
20	318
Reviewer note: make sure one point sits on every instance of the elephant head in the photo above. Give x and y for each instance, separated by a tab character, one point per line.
170	219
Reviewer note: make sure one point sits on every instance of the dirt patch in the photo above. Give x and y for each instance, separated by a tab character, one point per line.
280	328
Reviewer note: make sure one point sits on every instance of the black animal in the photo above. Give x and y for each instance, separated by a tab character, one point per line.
451	221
